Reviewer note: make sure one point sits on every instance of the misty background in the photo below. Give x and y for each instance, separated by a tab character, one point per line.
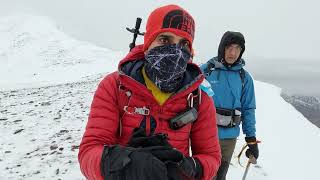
282	37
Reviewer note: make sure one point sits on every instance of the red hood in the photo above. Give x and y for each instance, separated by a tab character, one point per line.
134	54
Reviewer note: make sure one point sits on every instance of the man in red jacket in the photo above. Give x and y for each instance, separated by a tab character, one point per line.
145	117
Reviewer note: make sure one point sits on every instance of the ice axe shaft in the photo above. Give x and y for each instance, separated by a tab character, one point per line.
246	171
251	160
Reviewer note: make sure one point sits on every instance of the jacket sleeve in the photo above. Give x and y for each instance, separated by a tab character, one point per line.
204	138
101	128
248	102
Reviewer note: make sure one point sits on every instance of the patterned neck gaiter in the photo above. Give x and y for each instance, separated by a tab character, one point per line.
165	66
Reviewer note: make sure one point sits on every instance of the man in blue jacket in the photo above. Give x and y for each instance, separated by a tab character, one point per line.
234	98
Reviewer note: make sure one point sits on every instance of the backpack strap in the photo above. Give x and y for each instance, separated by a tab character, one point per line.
123	97
207	71
195	100
242	76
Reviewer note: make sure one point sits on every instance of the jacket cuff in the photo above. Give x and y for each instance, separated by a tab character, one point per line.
251	139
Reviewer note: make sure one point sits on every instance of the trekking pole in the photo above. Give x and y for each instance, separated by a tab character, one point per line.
135	32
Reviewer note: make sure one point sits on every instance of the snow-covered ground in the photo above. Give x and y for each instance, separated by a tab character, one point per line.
47	81
290	143
41	130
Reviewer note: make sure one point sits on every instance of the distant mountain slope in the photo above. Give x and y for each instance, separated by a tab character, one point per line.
309	106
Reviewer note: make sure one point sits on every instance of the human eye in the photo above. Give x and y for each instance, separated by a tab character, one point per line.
185	44
228	48
164	40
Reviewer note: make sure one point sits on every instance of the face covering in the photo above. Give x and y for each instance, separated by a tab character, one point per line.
165	66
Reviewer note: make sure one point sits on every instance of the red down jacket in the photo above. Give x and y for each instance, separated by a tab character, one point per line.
106	127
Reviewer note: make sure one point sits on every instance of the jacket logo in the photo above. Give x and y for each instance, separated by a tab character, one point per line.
181	20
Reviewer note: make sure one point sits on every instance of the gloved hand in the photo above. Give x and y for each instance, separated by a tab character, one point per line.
120	162
188	168
178	166
156	144
140	139
253	147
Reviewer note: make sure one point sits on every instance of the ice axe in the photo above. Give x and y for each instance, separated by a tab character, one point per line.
135	32
251	160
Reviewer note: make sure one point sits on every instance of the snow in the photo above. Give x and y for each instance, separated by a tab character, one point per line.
33	52
290	143
47	83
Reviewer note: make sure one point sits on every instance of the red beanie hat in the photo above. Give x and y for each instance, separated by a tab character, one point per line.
170	18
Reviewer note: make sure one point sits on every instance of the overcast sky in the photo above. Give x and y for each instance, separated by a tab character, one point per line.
272	28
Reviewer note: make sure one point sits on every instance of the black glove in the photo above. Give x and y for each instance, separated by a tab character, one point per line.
156	144
120	162
253	147
178	166
188	168
140	139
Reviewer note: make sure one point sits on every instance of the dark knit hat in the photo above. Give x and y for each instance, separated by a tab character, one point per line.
170	18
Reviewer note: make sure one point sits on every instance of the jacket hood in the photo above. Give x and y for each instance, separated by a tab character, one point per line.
229	38
235	67
134	54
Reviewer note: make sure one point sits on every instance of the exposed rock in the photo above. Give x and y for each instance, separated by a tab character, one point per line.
18	131
309	106
53	147
74	147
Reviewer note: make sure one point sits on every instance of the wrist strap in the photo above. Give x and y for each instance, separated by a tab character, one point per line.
194	162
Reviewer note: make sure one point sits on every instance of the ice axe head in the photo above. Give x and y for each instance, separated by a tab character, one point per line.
252	159
135	32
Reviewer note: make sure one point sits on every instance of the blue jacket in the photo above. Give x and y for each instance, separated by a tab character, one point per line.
227	87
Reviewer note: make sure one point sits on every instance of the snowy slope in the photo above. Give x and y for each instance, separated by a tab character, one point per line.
34	51
41	127
290	143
